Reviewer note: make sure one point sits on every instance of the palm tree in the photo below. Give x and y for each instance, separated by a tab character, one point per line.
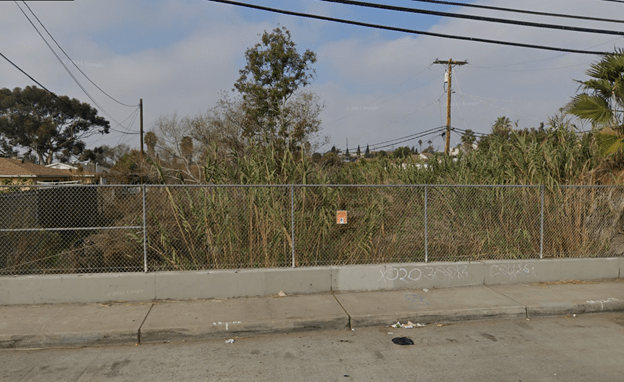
502	126
468	139
601	101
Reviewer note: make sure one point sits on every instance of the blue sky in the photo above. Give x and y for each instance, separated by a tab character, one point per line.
376	85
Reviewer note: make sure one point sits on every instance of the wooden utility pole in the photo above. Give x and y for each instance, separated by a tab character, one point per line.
141	129
141	113
450	64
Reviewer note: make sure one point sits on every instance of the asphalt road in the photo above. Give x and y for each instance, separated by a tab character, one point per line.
581	348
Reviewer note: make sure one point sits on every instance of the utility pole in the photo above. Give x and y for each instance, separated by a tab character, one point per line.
450	64
141	124
141	112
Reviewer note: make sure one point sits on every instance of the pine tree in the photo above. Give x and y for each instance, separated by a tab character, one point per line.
367	152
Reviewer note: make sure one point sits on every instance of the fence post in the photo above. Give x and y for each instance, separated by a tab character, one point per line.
542	223
144	233
292	222
426	231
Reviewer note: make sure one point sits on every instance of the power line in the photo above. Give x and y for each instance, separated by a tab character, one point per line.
530	70
478	18
29	76
521	11
72	61
404	139
411	31
465	130
72	75
547	58
411	139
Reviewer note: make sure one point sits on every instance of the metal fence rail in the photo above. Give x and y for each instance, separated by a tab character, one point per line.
147	228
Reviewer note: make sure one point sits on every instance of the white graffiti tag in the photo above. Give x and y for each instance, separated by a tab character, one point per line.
513	270
226	324
602	302
440	273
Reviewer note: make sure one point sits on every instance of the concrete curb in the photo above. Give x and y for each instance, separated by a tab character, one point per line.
242	317
260	327
442	316
69	339
71	325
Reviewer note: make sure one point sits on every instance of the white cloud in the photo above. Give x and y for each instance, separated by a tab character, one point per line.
368	80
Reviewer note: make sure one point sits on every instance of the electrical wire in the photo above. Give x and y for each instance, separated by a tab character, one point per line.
467	5
477	18
72	75
375	147
32	79
465	130
72	61
530	70
405	138
134	115
411	31
543	59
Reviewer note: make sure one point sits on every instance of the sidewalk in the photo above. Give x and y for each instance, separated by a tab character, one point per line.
71	325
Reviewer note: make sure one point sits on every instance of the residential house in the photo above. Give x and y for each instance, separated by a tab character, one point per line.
16	171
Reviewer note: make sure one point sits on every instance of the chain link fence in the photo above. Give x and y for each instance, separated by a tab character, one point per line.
148	228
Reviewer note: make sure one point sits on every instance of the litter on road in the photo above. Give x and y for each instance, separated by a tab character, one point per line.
402	341
409	325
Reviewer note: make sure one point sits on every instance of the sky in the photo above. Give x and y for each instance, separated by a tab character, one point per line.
376	86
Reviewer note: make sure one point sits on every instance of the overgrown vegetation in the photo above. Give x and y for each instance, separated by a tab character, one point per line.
240	187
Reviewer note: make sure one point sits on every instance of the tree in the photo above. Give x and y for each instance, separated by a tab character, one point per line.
502	127
367	153
402	152
275	112
221	126
186	148
151	140
601	101
358	152
34	119
468	139
6	150
176	145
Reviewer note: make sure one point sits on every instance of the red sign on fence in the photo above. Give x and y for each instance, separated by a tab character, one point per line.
341	217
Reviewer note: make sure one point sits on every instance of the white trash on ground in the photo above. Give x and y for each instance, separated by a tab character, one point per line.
409	325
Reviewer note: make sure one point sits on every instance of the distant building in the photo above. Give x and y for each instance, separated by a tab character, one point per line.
18	171
62	166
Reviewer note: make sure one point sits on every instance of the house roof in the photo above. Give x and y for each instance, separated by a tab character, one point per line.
62	166
13	168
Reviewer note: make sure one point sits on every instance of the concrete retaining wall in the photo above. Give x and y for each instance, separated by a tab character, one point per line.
410	275
263	282
530	271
